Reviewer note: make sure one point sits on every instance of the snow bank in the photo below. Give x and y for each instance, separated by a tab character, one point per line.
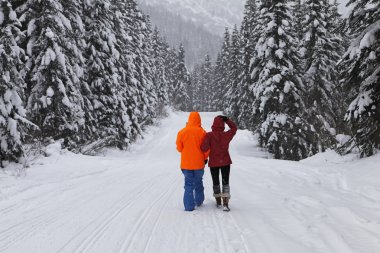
54	149
330	157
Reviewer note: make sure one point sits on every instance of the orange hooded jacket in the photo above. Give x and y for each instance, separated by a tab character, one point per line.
189	141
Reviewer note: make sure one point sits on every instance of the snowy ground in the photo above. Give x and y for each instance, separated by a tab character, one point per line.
132	202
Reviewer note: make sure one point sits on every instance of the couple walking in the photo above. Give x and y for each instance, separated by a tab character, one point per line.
196	147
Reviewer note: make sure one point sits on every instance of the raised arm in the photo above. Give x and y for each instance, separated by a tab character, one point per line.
231	133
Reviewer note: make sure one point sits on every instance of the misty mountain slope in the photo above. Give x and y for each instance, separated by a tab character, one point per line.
198	24
214	15
196	40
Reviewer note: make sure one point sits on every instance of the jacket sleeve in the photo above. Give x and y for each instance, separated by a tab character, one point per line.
205	146
231	133
179	142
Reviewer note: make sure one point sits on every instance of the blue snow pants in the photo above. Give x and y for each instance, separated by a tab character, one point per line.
194	190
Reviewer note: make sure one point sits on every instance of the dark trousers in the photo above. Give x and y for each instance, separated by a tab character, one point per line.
225	170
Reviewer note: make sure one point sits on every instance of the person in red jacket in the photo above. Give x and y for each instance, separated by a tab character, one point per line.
218	142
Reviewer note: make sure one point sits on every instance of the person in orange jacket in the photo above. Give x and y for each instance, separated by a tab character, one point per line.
193	161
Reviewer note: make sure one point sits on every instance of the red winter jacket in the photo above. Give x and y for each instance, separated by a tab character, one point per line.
218	142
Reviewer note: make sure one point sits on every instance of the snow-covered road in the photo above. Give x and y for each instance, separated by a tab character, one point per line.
132	202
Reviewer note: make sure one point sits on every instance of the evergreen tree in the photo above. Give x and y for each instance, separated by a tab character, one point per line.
171	61
222	67
12	112
120	74
159	74
335	24
234	74
194	90
103	73
216	85
180	98
250	37
142	47
323	49
278	87
206	84
298	16
361	72
55	102
139	104
202	82
336	21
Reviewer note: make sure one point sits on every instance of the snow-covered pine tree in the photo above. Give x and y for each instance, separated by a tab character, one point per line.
142	48
322	50
159	74
221	70
201	88
278	86
139	99
336	26
217	80
202	80
361	72
194	88
55	102
235	67
179	96
170	67
249	40
104	72
12	112
298	12
206	84
336	20
120	69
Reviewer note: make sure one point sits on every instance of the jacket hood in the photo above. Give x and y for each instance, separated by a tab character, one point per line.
194	119
218	124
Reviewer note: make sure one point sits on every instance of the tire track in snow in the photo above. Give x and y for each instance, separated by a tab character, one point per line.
108	217
239	230
219	233
38	189
226	223
27	227
135	232
157	221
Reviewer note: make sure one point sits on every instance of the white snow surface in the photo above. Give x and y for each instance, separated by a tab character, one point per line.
131	201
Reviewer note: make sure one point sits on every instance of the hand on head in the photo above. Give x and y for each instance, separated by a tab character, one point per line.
225	118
